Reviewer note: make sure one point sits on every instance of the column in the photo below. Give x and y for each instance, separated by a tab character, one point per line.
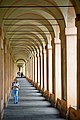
39	69
57	68
9	70
53	67
5	76
42	69
33	68
36	68
78	60
63	65
47	67
71	43
45	70
1	73
50	67
26	69
37	72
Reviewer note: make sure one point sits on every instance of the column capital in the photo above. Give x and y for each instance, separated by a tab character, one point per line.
70	31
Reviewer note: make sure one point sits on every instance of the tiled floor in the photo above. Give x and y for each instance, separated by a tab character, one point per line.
32	105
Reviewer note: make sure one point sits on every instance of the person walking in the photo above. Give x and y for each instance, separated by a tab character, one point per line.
15	90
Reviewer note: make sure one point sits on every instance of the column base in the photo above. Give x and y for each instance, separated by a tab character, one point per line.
1	114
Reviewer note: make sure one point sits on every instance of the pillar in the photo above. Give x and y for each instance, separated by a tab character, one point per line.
5	76
57	68
42	69
53	67
39	68
25	69
37	72
50	67
78	59
63	65
45	70
71	43
36	68
47	67
1	73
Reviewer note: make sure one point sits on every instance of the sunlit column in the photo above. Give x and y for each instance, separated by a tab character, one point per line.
42	68
33	69
78	60
45	68
50	67
71	38
26	68
57	68
30	69
23	68
36	68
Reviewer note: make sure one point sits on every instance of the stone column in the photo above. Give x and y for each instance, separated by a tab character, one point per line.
1	74
11	70
25	69
42	69
47	67
71	47
37	66
53	68
57	68
45	71
34	68
5	76
50	67
9	65
78	60
63	64
41	79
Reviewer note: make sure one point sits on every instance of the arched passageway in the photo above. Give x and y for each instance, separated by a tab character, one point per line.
41	40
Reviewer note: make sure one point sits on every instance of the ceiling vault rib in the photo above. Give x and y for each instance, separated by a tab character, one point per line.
26	34
23	38
31	19
7	6
30	31
29	25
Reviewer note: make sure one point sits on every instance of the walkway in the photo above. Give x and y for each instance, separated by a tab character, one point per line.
31	106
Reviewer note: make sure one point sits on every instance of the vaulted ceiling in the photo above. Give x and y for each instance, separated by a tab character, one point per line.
30	24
